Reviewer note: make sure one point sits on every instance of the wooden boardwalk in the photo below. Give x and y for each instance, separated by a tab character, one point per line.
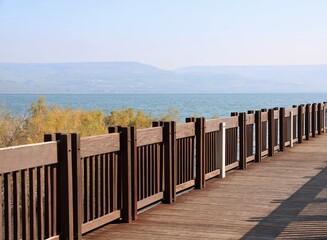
283	197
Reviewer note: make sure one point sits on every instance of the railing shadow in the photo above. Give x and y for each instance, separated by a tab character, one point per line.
302	215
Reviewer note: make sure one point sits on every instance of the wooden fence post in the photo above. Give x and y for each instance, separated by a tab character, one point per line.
300	124
295	123
114	129
319	118
77	186
243	142
292	129
134	163
307	121
324	118
271	131
222	163
314	120
174	158
258	136
65	184
126	170
168	163
190	119
282	129
157	123
200	152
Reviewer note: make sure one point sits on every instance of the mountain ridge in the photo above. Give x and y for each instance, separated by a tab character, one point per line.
135	77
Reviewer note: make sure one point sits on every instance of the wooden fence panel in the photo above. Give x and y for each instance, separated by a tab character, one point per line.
28	199
185	156
264	131
101	180
250	136
150	166
231	148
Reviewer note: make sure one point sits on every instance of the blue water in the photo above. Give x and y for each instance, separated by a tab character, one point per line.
204	105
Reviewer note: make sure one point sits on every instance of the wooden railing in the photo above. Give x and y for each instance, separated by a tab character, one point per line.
69	186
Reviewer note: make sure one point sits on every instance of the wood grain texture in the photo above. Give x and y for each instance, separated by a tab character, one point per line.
27	156
185	130
149	136
292	207
101	144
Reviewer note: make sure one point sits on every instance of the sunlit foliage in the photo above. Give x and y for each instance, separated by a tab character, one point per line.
42	118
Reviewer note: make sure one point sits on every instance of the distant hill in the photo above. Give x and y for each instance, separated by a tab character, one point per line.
133	77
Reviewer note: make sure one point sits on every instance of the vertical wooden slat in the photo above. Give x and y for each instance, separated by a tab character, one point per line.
319	118
47	202
271	132
24	204
113	182
96	186
150	170
300	124
108	173
91	187
242	126
117	184
126	165
314	119
16	203
143	174
32	208
40	207
1	211
139	176
7	205
146	166
295	123
159	168
103	185
86	189
258	136
291	129
307	121
54	197
282	135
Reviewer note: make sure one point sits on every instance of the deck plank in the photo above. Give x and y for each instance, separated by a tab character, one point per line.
283	197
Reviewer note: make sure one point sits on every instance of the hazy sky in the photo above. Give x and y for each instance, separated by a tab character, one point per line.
165	33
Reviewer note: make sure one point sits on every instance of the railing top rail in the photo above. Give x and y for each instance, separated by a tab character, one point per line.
149	136
28	156
276	114
250	119
100	144
184	130
213	125
264	116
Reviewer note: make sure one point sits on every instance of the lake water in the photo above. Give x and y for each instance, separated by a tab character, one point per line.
204	105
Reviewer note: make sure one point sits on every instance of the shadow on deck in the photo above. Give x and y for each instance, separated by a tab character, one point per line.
302	215
284	197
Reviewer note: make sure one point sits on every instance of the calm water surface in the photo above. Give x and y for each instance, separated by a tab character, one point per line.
205	105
